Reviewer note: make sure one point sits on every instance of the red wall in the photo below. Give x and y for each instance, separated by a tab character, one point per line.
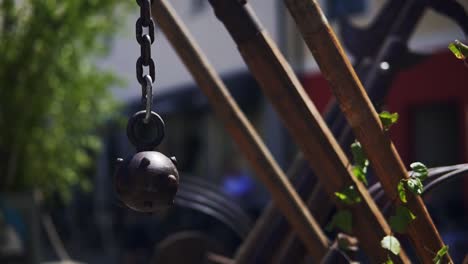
441	78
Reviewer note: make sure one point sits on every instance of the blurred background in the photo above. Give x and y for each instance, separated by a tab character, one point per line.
67	87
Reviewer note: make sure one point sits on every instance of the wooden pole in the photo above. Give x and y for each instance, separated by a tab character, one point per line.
261	160
364	120
303	121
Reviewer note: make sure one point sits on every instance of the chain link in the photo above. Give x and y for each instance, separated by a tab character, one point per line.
145	40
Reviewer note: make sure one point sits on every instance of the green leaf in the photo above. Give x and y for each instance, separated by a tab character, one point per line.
342	220
388	119
415	185
459	49
419	170
402	191
360	162
360	174
58	133
388	261
391	243
399	222
349	195
358	155
440	254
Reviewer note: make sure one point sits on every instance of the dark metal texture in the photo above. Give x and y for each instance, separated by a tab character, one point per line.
304	123
147	181
363	118
203	196
145	40
145	135
369	47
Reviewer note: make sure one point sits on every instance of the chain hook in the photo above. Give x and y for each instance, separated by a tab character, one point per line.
148	97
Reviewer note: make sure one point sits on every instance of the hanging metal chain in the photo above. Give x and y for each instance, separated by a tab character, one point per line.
145	39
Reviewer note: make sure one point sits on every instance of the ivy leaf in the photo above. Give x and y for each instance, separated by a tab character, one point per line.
349	195
388	261
419	170
360	174
391	243
342	220
415	185
459	49
388	119
402	191
399	222
360	162
440	254
358	155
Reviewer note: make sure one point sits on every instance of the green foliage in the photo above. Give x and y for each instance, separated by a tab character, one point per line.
414	183
349	195
402	191
391	243
459	49
360	162
420	170
440	254
399	222
388	119
389	260
53	98
343	220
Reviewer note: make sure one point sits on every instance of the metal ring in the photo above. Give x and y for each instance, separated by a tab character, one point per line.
139	71
139	2
148	98
139	30
145	12
145	136
145	49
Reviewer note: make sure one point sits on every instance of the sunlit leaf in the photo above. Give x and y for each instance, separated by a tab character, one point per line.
388	119
360	162
415	185
349	195
391	243
402	191
459	49
440	254
419	170
388	260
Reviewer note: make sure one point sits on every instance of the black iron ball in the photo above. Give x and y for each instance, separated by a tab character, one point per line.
147	181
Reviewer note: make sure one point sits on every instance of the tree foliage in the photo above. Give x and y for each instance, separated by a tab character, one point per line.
53	97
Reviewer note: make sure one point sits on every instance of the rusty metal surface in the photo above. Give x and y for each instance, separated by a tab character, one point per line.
306	126
147	181
363	119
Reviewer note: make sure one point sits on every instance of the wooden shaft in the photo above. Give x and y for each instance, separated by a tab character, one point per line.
261	160
303	121
363	119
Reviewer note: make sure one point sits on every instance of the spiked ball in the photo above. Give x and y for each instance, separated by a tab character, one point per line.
147	181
